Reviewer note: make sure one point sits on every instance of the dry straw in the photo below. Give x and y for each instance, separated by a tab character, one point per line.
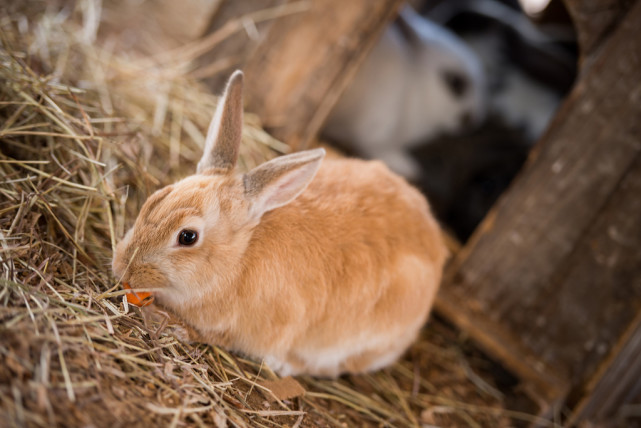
86	133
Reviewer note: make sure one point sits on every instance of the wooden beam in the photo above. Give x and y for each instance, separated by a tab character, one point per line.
531	285
616	384
306	60
595	19
234	51
598	287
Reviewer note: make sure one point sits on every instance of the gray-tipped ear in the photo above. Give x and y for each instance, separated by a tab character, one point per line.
225	130
407	24
279	181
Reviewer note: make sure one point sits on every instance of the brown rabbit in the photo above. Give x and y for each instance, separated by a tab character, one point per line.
316	268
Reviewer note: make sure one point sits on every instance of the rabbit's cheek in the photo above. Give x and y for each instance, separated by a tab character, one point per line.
146	275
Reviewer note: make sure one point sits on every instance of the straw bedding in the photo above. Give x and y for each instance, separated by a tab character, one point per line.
86	133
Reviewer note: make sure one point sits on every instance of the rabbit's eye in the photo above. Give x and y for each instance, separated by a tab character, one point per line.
187	237
456	82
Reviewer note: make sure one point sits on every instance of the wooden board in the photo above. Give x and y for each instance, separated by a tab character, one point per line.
156	27
216	65
598	288
533	285
595	19
607	265
617	384
298	63
306	60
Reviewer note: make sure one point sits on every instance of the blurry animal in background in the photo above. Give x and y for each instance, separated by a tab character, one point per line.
316	266
464	175
529	67
418	82
403	108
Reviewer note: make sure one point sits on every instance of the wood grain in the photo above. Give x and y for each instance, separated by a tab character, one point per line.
618	383
234	51
298	72
595	19
531	283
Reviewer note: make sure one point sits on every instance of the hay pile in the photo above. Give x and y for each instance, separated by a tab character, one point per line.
85	135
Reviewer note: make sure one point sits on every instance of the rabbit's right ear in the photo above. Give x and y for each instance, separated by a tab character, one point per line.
407	24
224	134
279	181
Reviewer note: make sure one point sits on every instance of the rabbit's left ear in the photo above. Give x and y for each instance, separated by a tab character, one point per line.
224	134
279	181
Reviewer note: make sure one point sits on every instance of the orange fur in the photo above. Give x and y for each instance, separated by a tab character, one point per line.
338	279
357	253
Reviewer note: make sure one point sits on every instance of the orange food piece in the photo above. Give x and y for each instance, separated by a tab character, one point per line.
138	298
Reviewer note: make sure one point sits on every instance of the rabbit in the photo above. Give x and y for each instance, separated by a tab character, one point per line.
316	267
529	67
419	81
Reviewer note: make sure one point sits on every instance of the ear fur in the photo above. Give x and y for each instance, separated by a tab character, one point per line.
224	134
279	181
407	25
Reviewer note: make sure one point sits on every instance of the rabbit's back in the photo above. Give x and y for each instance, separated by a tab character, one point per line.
318	271
363	206
351	266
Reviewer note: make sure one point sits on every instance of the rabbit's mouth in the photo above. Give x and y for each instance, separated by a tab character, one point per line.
138	298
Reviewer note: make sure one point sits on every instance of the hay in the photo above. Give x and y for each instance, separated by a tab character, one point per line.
85	135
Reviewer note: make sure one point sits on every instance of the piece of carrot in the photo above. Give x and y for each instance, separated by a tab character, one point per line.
138	298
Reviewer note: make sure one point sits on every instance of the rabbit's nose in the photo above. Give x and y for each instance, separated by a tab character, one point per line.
467	120
470	119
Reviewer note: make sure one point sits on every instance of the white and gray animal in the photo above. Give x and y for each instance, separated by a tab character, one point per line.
418	82
528	72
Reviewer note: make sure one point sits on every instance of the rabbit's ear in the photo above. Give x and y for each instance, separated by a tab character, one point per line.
279	181
407	24
225	130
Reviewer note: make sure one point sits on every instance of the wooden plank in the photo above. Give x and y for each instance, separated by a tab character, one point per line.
544	385
617	384
595	19
598	288
234	51
607	265
517	282
299	70
156	27
182	21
